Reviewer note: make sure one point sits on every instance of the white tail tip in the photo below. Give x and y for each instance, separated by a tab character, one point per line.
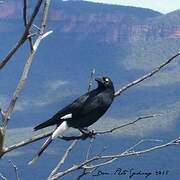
33	160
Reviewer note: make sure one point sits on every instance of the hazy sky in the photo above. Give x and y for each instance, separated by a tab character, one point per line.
163	6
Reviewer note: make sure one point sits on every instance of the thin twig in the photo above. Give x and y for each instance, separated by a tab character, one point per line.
90	147
36	27
91	79
141	142
130	151
146	76
127	124
85	172
3	177
23	37
32	34
110	158
24	75
15	170
21	81
26	22
28	64
61	162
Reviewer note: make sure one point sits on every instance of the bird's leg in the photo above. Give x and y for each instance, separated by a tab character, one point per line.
87	133
85	130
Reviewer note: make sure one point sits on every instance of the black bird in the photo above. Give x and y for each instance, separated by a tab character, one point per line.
82	113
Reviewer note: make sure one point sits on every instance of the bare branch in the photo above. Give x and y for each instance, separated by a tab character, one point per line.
91	79
146	76
23	37
141	142
36	27
63	159
21	81
27	65
127	124
27	141
15	170
25	12
86	171
131	152
1	135
89	148
32	34
26	22
1	141
41	36
85	136
110	158
3	177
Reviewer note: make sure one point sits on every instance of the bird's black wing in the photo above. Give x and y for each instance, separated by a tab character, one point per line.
97	103
94	107
66	112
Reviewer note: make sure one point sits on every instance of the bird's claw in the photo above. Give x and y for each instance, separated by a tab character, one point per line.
89	134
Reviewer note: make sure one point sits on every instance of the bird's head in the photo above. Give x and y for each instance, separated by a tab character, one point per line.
104	82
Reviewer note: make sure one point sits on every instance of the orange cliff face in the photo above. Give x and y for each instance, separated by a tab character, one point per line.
175	34
108	24
116	29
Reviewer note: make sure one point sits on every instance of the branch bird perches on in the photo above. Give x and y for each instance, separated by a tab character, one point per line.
117	93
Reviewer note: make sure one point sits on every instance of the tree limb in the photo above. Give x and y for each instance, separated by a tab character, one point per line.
23	37
23	79
127	124
61	162
3	177
80	137
20	85
26	22
146	76
15	170
110	158
27	141
85	136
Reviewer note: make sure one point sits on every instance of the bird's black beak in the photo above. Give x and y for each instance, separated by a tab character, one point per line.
99	80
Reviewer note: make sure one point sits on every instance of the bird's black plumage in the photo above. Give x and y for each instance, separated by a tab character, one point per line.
81	113
87	109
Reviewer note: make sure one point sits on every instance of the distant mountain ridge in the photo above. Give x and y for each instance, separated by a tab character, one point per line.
13	9
119	41
108	23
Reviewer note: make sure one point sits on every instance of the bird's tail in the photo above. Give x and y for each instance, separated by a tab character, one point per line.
44	146
57	132
47	123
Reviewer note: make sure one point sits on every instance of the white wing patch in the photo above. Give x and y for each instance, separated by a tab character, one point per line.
60	130
63	127
67	116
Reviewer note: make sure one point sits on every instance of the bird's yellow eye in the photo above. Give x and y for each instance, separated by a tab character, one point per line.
106	80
